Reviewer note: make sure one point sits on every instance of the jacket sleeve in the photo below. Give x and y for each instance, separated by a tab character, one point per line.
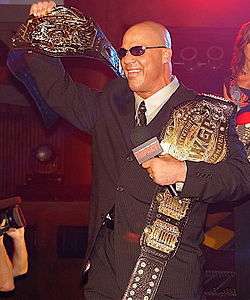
228	180
74	102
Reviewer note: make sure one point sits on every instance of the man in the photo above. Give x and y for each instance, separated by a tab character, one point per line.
122	189
18	265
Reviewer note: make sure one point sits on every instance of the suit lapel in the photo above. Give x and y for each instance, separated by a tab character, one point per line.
155	127
126	110
125	103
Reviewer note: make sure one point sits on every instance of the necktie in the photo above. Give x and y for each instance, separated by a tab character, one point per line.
141	116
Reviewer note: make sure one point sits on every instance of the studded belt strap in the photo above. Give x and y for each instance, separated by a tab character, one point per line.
145	279
161	237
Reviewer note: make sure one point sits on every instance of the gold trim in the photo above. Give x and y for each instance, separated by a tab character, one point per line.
161	236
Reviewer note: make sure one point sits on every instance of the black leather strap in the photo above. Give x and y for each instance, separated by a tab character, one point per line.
160	240
145	278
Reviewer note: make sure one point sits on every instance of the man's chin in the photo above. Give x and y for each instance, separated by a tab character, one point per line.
135	87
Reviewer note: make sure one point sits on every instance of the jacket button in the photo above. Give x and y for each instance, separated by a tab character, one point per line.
130	158
120	189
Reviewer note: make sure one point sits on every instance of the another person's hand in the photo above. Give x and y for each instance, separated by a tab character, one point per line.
42	8
20	255
16	233
1	227
165	170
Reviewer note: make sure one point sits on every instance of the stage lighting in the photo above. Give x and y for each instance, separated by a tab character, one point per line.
215	55
189	57
44	153
44	166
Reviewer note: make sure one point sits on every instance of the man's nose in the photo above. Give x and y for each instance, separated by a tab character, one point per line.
128	58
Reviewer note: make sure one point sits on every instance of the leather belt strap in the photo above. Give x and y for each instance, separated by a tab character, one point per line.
161	238
145	279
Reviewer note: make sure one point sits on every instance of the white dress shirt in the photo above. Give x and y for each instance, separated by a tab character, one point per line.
154	104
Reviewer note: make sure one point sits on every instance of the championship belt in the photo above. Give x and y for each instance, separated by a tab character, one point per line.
62	32
244	136
243	126
197	131
67	32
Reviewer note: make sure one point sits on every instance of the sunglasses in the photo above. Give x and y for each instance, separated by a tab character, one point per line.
136	50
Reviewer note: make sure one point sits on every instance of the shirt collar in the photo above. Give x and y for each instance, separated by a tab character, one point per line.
158	99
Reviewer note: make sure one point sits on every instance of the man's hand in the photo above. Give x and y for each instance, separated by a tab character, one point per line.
166	170
42	8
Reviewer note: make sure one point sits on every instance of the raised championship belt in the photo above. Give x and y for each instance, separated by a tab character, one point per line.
196	131
62	32
67	32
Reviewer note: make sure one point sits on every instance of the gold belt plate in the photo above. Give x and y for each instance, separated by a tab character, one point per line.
161	236
197	131
170	206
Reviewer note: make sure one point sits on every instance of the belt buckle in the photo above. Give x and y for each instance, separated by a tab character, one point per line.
172	206
161	236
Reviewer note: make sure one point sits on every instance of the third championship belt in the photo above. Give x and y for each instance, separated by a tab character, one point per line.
197	131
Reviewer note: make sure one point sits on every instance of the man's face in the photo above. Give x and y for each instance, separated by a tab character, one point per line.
147	73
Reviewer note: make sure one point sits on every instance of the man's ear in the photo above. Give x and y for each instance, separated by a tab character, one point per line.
167	54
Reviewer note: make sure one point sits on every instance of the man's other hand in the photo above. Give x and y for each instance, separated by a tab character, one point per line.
42	8
166	170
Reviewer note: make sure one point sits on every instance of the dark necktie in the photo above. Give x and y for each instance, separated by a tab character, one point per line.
141	116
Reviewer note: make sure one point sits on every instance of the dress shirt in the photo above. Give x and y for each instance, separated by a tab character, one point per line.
154	104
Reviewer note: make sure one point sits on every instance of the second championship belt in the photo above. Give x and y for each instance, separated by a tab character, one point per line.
197	131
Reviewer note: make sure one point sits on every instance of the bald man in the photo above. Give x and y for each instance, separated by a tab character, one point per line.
123	189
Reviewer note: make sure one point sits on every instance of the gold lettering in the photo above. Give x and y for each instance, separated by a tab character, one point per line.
206	131
198	150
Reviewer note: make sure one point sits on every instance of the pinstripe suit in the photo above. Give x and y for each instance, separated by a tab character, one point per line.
120	182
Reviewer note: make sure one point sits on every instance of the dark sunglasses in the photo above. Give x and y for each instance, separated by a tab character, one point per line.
136	50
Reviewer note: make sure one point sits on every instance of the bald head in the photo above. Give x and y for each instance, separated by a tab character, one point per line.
150	31
147	59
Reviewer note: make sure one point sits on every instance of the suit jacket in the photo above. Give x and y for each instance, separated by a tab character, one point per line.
118	180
